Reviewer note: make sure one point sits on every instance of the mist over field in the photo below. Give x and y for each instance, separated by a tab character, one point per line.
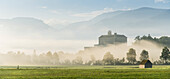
84	39
118	51
26	34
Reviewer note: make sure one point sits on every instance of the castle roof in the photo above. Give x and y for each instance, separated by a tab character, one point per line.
113	35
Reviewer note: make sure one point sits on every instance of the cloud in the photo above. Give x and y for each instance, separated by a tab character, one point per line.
96	13
44	7
54	11
54	21
163	1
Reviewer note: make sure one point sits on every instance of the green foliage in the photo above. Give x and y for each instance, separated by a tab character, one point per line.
67	62
98	62
144	55
164	40
165	55
55	58
49	57
49	54
108	59
131	56
91	61
78	61
18	67
122	60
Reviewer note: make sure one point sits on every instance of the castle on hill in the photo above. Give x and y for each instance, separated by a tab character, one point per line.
111	39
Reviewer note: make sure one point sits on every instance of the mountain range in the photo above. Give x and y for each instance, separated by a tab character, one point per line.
140	21
135	22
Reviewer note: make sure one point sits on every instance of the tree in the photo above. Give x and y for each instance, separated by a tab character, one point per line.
122	60
34	57
98	62
42	58
93	59
131	56
49	57
55	58
34	53
67	62
49	54
78	60
165	40
165	55
18	67
108	59
137	38
144	55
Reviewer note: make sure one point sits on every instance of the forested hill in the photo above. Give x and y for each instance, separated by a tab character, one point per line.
163	40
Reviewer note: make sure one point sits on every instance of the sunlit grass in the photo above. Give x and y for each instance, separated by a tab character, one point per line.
85	72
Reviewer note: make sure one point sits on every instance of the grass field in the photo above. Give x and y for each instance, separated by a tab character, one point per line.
84	72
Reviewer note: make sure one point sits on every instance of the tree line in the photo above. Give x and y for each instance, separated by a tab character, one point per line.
109	59
163	40
50	58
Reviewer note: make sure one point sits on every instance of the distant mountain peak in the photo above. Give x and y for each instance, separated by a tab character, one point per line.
27	20
146	8
23	18
150	8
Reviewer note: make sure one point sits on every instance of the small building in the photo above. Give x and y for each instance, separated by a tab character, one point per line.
145	64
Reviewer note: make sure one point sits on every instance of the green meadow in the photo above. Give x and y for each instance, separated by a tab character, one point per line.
84	72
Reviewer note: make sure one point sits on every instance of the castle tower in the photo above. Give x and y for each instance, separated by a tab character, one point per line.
109	32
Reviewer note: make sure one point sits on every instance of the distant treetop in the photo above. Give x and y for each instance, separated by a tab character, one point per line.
163	40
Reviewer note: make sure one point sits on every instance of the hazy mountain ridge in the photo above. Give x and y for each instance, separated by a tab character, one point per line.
140	21
32	33
24	27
